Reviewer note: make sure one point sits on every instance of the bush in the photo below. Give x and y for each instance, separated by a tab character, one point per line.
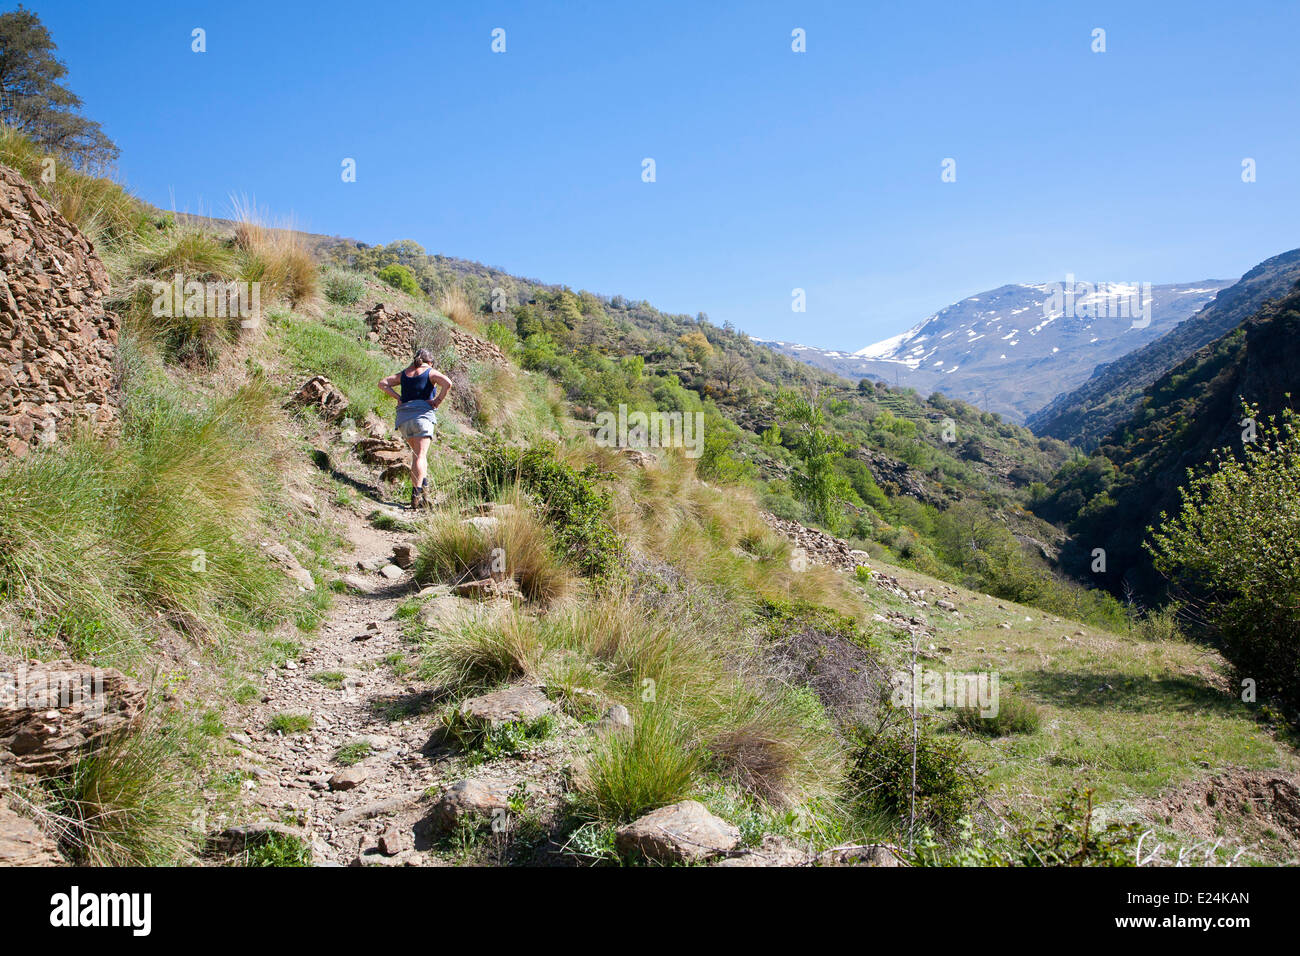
569	499
881	778
400	278
1233	547
344	288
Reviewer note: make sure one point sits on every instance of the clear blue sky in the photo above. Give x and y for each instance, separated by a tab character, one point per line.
775	170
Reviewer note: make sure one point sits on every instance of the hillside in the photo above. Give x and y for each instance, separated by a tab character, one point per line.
1109	500
1014	348
584	652
1115	390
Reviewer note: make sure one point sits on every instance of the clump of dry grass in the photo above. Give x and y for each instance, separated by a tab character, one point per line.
274	256
516	545
455	305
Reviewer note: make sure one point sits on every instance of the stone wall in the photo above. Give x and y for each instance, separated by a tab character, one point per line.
56	340
399	333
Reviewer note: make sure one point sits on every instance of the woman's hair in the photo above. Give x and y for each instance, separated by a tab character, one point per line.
422	357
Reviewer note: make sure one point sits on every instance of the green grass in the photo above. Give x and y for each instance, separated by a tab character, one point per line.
313	348
290	724
331	679
352	753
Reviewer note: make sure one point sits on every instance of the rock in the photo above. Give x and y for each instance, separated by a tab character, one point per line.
289	564
321	393
356	583
683	832
391	571
484	523
234	840
403	555
378	808
1005	626
23	843
372	564
395	840
858	856
615	720
467	798
945	605
775	850
398	330
519	703
60	710
349	778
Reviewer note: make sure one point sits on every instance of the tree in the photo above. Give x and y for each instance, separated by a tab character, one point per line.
696	345
731	369
36	104
818	483
1233	549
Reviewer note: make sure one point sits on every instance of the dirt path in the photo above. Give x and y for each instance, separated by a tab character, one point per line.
354	700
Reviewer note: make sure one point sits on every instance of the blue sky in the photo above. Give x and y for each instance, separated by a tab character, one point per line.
775	169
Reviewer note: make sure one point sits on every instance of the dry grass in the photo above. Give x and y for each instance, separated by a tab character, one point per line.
517	546
455	305
274	256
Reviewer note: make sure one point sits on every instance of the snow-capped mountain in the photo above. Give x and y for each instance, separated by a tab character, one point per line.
1015	348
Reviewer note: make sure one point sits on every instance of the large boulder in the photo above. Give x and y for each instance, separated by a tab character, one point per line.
523	702
57	342
682	832
468	800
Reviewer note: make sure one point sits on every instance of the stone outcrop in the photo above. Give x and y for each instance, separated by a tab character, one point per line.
56	341
52	713
321	393
818	546
23	843
400	333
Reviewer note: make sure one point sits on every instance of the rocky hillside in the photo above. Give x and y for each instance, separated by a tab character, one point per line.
1012	349
1083	416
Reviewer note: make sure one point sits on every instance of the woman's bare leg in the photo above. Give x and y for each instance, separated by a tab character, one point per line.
419	462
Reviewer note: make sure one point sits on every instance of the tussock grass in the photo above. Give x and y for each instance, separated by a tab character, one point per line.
125	804
274	256
455	305
628	775
688	660
517	546
100	536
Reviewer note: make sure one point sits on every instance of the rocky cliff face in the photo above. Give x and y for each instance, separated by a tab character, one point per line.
56	341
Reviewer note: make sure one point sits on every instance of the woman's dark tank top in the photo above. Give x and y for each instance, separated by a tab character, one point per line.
417	388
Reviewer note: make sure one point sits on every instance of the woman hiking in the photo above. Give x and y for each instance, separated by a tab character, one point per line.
423	388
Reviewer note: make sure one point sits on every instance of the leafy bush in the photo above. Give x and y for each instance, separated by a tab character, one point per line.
569	499
400	278
1068	836
1234	547
946	785
344	288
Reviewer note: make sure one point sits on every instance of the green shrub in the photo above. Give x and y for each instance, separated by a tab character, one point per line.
400	278
881	778
569	500
344	288
1233	546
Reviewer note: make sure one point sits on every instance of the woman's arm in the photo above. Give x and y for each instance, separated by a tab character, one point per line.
444	386
387	385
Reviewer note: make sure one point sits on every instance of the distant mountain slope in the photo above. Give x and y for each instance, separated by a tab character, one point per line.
1084	415
1012	349
1109	499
